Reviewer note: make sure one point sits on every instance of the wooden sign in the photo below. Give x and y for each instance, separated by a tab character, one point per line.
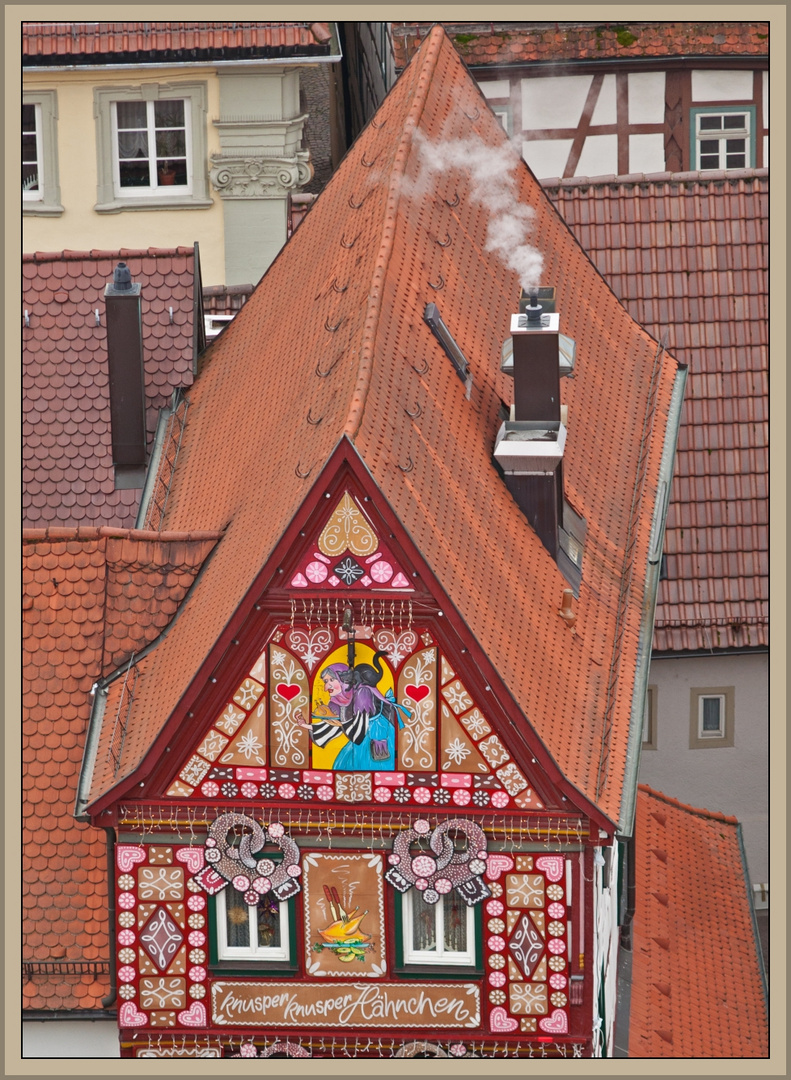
344	915
374	1005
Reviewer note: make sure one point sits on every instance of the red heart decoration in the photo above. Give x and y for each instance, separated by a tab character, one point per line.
417	693
287	690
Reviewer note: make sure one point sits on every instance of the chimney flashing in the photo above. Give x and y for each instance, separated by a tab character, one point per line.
550	323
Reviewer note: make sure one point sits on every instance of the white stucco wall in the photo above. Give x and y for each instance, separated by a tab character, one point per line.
647	97
733	779
605	958
722	85
70	1039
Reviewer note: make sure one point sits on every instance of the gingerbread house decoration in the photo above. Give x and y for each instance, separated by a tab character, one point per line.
366	786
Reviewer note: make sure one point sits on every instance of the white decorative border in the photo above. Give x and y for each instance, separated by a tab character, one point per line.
374	862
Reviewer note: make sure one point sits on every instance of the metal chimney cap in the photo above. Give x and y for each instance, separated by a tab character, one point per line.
122	278
122	284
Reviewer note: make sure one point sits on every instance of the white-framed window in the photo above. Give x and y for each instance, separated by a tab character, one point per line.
251	932
442	934
711	716
152	147
40	186
32	180
723	138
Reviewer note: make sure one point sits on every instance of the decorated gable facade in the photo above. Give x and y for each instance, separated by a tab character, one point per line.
367	787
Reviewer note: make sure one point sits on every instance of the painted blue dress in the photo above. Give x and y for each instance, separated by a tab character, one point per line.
371	744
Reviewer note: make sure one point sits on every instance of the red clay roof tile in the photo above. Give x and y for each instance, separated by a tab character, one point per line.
697	978
703	304
66	405
492	565
116	42
59	669
486	43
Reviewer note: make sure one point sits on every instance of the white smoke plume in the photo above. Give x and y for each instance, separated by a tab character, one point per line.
492	171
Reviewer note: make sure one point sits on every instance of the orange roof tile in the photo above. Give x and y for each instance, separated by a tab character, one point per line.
52	43
67	467
380	248
72	635
698	988
687	254
498	43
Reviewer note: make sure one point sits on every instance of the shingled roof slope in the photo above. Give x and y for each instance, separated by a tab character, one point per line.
90	598
687	254
496	44
67	465
697	978
335	331
52	43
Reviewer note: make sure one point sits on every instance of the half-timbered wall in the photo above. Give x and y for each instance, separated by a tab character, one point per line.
596	122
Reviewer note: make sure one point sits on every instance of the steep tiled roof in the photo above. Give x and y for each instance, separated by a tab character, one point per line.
697	980
336	328
90	598
97	42
687	254
67	471
552	42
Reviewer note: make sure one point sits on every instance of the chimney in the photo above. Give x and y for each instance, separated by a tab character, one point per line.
127	378
529	446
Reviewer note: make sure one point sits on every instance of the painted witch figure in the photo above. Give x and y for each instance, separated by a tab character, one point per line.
358	710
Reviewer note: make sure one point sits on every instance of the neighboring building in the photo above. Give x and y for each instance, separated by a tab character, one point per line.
687	255
652	141
94	389
93	598
454	867
596	99
169	128
694	937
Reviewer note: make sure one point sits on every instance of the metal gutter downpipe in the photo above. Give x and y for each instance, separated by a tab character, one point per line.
111	998
628	805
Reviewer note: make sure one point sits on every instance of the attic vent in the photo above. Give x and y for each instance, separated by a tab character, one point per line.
452	350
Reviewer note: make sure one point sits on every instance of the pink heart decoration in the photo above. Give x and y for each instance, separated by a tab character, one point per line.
417	693
556	1024
500	1021
287	690
498	864
552	865
194	1016
128	1016
126	856
192	857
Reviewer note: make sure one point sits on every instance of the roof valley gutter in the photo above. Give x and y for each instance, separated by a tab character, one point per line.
100	699
357	407
629	801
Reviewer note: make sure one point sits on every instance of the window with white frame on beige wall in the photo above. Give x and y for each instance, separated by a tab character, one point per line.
151	147
711	717
40	185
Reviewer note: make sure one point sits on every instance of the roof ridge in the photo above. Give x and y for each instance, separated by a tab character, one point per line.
96	253
371	324
703	176
90	532
715	815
